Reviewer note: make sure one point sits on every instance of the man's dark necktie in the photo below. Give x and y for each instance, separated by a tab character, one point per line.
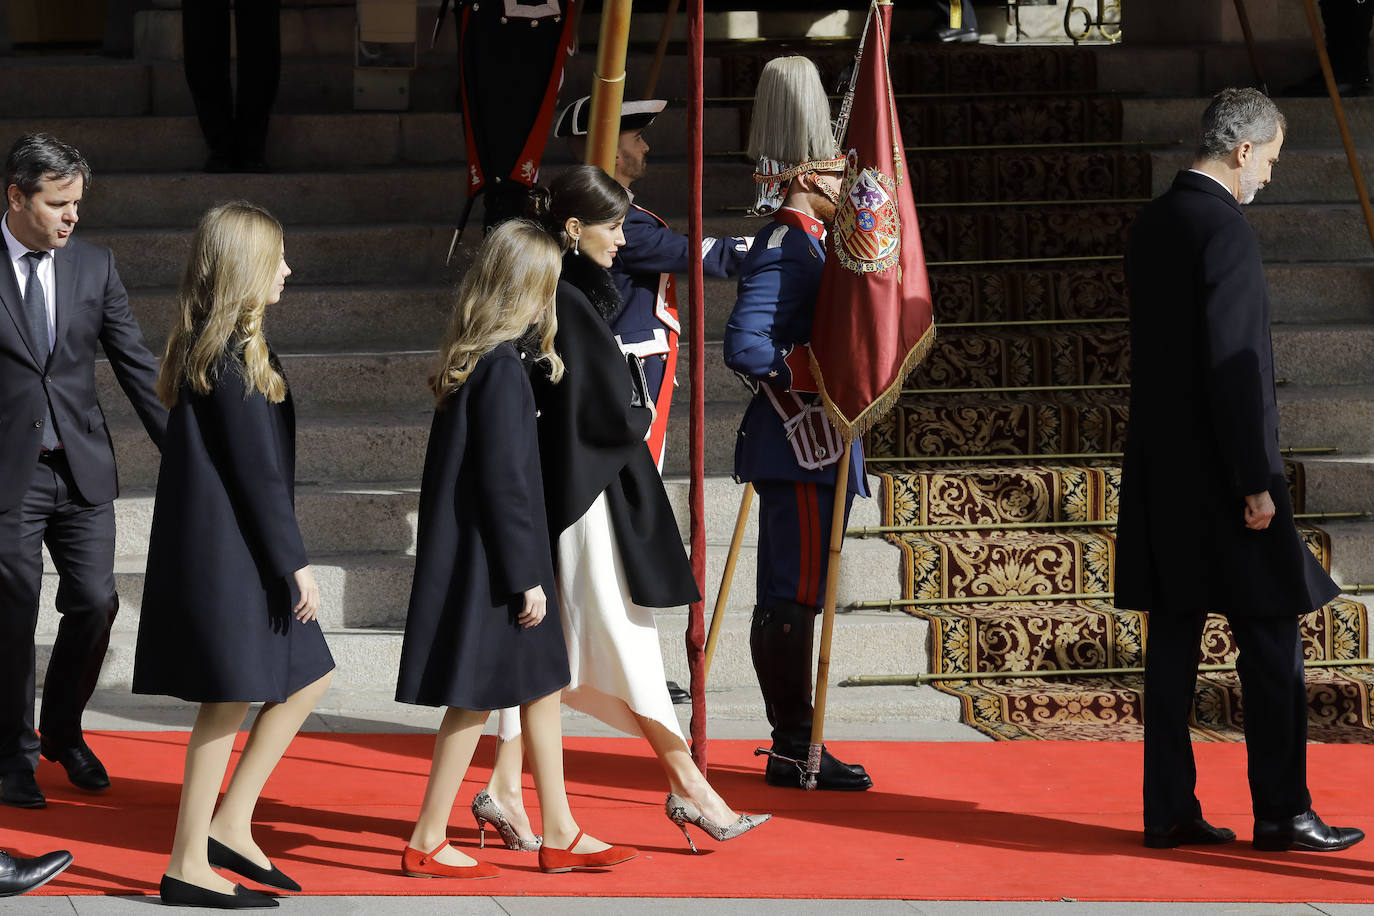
36	311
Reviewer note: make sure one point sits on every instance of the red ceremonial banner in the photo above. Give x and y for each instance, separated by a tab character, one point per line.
874	320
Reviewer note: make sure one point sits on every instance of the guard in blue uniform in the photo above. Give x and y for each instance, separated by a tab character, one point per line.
786	447
790	452
647	324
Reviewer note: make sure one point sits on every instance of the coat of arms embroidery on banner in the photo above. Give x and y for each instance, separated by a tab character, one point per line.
868	230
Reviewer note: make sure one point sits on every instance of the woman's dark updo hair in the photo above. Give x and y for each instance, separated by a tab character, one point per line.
583	192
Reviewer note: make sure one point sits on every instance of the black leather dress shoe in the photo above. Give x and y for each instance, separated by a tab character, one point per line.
19	876
833	775
20	790
949	35
181	893
1305	832
222	856
83	767
1196	832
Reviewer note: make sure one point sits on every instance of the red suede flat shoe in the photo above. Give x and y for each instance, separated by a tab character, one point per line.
552	861
419	864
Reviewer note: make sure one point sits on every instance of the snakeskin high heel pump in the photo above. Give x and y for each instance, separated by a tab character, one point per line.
485	811
682	812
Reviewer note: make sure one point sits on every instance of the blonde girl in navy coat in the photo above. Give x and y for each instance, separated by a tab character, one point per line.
229	602
482	631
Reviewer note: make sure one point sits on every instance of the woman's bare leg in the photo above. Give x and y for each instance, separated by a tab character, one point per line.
272	732
543	732
684	779
207	757
505	788
453	748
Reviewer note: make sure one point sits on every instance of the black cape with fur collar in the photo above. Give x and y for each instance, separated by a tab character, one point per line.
592	441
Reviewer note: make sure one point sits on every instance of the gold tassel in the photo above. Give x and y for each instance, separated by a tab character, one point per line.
849	429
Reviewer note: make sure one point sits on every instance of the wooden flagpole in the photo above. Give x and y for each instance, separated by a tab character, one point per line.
1352	157
727	577
832	578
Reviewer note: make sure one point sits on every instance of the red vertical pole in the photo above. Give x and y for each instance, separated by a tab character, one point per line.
696	627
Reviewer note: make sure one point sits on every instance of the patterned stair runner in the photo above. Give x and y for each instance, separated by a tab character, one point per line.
1062	510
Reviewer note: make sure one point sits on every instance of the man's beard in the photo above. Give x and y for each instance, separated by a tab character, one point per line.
1250	184
828	205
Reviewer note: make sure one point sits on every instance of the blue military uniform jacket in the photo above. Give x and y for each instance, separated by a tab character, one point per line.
643	273
766	343
647	324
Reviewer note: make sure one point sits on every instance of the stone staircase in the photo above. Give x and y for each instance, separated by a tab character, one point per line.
1059	539
368	201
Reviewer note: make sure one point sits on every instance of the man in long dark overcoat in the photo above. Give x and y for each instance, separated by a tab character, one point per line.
1206	523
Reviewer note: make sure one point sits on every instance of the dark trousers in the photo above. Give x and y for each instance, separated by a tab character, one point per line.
80	539
235	129
1274	691
794	547
1346	24
794	540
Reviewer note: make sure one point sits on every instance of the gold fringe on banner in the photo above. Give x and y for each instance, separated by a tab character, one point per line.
849	429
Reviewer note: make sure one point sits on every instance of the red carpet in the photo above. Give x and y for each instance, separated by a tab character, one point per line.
1003	820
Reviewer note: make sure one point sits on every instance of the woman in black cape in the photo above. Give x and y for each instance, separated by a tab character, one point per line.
616	545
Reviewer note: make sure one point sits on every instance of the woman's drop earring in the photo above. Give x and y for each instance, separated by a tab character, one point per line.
577	241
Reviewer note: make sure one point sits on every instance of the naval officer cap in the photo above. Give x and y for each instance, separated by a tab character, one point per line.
573	120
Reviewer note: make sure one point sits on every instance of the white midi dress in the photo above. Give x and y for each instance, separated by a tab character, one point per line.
613	649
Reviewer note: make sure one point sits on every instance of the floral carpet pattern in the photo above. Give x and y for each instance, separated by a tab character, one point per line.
1001	460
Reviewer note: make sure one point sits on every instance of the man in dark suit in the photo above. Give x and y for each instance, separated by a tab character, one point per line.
1205	522
60	298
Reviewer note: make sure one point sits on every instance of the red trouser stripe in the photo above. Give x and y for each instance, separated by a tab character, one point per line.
658	433
808	534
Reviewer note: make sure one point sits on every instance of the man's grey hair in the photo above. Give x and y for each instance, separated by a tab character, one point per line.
38	156
1238	116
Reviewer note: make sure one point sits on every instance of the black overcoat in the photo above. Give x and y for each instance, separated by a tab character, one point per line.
482	543
215	623
1204	420
591	440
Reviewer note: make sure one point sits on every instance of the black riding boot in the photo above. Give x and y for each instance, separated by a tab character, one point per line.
781	640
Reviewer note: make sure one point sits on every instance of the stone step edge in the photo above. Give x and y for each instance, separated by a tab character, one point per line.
723	703
136	564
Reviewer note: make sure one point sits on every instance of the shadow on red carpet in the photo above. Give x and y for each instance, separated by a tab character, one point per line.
945	821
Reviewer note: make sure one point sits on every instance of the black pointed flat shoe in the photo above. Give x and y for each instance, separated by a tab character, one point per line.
181	893
222	856
1196	832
